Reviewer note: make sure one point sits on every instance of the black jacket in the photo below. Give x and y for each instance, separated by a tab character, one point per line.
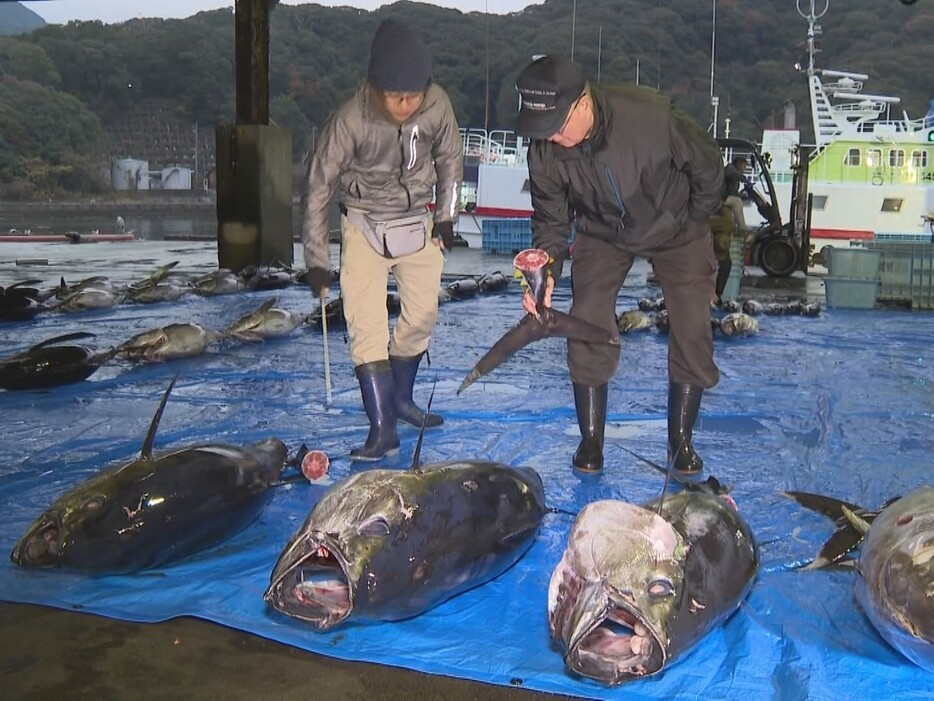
646	179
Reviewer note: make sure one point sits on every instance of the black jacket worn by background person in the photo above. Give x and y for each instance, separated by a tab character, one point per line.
733	181
647	178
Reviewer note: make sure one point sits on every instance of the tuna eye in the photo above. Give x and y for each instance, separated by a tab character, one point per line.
660	587
376	526
94	503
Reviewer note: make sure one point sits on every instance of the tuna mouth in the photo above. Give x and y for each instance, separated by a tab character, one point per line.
621	646
40	546
315	589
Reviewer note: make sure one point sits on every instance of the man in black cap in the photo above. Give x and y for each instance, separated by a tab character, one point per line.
636	177
384	154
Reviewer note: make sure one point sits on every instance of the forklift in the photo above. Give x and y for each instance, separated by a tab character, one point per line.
778	248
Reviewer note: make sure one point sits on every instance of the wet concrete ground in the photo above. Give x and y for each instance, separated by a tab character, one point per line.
51	654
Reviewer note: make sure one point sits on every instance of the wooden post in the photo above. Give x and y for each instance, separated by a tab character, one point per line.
254	160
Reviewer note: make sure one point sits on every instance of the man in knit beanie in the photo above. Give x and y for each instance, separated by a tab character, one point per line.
385	155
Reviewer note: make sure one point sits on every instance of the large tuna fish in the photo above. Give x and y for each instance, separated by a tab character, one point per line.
639	585
51	363
388	545
168	342
152	510
267	321
895	582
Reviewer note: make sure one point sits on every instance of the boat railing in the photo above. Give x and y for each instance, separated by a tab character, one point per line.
495	147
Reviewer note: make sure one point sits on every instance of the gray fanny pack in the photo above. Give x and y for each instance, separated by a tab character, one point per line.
393	238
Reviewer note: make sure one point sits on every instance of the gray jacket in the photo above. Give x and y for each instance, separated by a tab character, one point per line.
382	168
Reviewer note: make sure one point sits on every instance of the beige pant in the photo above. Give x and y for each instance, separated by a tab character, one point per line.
735	203
364	277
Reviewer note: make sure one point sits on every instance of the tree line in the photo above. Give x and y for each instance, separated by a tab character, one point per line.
62	86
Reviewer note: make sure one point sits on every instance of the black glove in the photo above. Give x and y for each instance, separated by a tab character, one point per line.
444	231
318	279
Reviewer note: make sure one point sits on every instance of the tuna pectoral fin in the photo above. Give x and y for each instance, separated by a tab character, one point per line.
529	329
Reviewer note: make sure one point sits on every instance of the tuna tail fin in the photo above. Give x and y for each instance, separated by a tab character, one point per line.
421	433
846	536
551	323
146	452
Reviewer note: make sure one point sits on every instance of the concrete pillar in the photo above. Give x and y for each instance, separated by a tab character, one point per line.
254	195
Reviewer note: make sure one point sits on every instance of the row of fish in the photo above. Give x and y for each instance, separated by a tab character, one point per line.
637	585
736	324
24	300
752	307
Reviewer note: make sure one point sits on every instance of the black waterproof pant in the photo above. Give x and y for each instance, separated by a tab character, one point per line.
687	274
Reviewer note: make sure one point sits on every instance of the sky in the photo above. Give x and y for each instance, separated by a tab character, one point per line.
109	11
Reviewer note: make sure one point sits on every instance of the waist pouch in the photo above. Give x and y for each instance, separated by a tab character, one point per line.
394	238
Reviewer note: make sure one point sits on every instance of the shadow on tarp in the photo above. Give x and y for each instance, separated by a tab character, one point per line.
841	404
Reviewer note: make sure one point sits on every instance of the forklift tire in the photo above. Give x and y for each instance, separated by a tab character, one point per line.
778	257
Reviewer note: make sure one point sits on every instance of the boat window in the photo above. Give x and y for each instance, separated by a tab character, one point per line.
919	159
896	158
852	157
874	158
819	202
892	204
525	186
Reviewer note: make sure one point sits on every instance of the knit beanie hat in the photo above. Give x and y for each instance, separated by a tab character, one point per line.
399	61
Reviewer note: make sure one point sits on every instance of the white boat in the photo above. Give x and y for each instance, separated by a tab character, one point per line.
871	168
496	183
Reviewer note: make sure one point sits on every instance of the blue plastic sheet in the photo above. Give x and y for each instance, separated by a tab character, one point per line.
841	404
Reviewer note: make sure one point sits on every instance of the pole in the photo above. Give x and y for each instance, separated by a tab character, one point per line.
327	359
599	51
573	27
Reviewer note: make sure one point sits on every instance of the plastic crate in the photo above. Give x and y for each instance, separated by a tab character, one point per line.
506	236
905	273
850	293
854	263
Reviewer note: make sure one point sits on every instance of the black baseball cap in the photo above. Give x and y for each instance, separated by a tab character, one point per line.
547	87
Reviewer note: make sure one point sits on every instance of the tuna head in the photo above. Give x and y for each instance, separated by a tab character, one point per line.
615	592
320	570
896	587
50	541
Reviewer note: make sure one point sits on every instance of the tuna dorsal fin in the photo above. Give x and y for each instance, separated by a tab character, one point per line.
64	337
421	434
146	453
267	305
711	485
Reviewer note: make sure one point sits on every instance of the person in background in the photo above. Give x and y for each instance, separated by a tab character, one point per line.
386	154
637	178
722	226
734	182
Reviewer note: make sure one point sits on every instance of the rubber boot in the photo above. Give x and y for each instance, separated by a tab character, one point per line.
723	274
403	372
376	386
590	403
683	406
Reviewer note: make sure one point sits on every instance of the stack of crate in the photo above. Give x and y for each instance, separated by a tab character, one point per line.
906	273
507	236
737	253
853	278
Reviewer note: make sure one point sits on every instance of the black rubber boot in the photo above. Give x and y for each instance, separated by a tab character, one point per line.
590	403
683	406
723	274
376	386
403	372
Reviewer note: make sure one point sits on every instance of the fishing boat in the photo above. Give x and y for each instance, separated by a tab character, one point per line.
871	168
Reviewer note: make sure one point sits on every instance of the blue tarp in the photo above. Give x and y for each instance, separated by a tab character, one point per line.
841	404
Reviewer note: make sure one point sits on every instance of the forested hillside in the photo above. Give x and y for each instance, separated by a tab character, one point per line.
61	87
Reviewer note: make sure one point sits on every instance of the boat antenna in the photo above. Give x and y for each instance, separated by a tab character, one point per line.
812	15
486	108
714	100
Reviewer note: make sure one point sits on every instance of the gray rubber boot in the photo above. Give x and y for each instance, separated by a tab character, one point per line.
590	403
404	370
377	388
683	407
